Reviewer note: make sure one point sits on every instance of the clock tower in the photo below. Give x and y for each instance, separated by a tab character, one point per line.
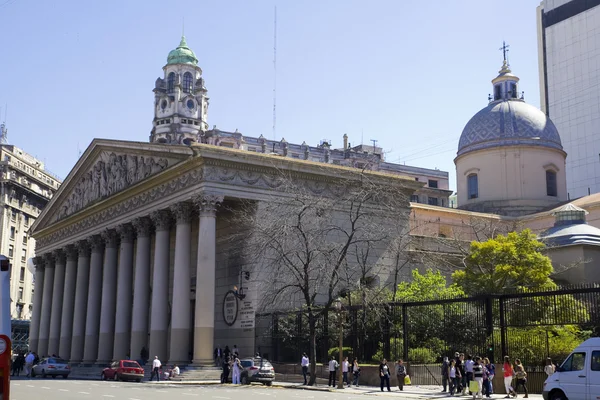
180	102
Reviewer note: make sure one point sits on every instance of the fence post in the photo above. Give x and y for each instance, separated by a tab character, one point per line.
489	325
386	332
405	331
275	336
502	328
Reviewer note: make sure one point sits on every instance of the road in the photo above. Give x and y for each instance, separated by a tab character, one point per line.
59	389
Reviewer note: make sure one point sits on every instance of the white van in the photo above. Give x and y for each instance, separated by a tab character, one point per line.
578	378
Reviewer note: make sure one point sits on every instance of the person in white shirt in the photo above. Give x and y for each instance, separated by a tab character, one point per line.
155	368
333	365
235	351
345	371
29	363
305	363
236	371
175	371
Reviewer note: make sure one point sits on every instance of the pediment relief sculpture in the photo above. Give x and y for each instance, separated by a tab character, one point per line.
110	174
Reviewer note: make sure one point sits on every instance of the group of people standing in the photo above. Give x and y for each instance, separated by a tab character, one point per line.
230	362
458	375
24	362
166	373
384	374
347	371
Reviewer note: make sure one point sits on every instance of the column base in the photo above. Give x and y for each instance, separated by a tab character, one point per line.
105	346
121	349
203	344
42	349
158	345
77	343
64	350
179	350
90	352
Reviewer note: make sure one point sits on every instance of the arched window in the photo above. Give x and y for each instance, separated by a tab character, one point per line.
188	84
472	186
171	82
551	183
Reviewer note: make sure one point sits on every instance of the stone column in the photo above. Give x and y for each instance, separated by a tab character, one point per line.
66	321
81	299
57	300
180	314
124	294
109	297
34	333
204	323
159	322
141	287
46	305
92	318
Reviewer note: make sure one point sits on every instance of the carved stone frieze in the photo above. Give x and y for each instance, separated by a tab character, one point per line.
182	212
142	226
110	174
162	220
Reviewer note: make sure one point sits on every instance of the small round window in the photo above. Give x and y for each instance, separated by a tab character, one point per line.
190	104
163	104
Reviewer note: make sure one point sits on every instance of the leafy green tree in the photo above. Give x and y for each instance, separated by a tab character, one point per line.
505	263
428	286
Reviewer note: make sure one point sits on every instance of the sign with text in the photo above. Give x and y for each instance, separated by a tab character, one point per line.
230	308
247	315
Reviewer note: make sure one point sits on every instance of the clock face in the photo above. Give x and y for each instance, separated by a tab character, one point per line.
190	104
2	346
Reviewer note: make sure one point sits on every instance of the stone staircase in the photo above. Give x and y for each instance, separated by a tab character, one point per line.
198	373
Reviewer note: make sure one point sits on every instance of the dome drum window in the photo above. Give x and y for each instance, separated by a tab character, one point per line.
188	82
551	187
171	82
472	186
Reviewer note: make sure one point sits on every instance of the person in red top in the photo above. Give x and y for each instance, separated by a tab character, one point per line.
508	377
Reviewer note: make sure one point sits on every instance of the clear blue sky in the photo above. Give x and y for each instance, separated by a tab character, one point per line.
407	73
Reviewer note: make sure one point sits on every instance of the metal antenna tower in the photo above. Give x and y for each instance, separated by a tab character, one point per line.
275	74
374	143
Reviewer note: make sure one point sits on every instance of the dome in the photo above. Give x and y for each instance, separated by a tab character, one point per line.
182	54
508	122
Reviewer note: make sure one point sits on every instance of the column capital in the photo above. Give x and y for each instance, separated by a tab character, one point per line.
161	219
96	243
48	259
126	232
110	237
38	261
208	203
71	251
59	256
182	212
83	248
142	226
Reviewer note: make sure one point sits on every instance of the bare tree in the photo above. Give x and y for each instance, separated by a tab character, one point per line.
307	247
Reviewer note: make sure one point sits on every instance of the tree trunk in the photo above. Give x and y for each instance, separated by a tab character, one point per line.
312	331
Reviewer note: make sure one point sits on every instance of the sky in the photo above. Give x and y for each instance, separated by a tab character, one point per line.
409	74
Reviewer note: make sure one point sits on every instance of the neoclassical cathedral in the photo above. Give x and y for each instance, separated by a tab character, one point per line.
131	251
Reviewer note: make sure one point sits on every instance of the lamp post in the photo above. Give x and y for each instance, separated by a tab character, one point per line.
338	307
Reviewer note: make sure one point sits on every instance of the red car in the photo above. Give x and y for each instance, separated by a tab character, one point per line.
123	370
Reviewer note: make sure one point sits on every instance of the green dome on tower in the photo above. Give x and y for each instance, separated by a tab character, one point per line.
182	54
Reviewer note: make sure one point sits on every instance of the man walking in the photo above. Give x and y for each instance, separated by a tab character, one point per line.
156	369
305	364
445	366
29	363
333	365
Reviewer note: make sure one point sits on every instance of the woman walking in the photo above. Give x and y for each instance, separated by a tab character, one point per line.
400	374
356	371
384	374
508	377
478	373
454	376
549	369
521	376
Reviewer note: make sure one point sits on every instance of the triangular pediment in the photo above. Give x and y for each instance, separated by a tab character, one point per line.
107	168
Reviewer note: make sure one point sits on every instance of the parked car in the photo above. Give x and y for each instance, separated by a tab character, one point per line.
578	377
126	370
51	366
257	370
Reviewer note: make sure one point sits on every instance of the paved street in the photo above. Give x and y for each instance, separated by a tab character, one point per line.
59	389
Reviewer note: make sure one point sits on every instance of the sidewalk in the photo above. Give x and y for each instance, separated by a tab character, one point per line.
409	392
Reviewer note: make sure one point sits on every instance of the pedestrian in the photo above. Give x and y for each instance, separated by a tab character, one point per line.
478	373
236	371
445	366
332	367
305	364
227	352
521	377
36	358
468	373
454	375
460	365
355	371
29	363
549	369
400	373
345	367
508	373
488	376
225	374
218	355
235	352
384	374
155	369
175	371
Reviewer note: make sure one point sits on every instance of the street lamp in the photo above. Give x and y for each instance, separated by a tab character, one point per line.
337	304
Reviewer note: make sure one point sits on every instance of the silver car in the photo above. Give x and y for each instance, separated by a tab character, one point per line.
257	370
51	366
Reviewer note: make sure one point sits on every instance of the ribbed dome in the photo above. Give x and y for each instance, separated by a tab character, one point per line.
182	54
508	122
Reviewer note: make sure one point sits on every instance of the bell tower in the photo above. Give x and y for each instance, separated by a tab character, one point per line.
180	101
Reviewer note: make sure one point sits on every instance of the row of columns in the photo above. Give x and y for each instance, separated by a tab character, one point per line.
92	304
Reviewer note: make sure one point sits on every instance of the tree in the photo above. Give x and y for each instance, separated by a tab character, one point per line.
429	286
303	241
505	263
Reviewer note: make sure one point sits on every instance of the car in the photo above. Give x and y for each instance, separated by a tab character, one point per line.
126	370
257	370
51	366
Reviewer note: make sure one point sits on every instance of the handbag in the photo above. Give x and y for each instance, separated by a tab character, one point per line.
473	387
407	380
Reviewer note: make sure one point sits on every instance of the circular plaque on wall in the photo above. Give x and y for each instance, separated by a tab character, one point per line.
230	308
